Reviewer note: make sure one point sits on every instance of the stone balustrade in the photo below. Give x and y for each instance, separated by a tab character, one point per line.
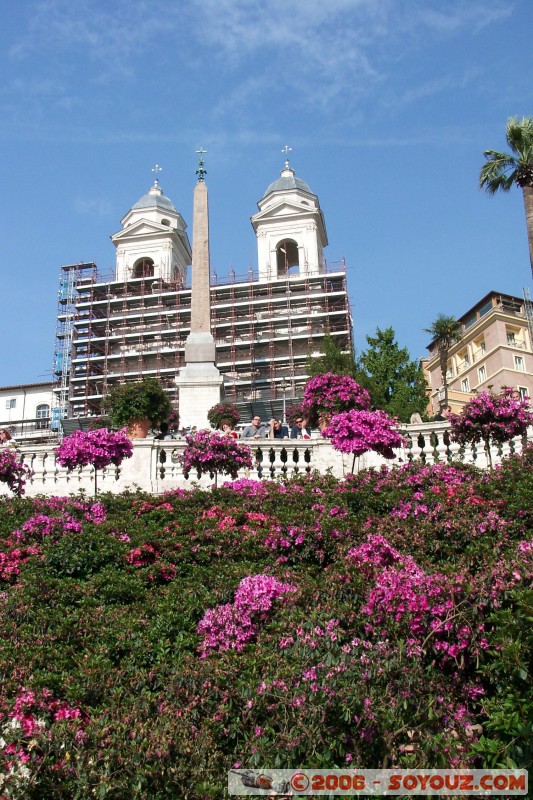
155	465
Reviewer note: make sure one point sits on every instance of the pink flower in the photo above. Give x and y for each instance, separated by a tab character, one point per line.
359	431
99	448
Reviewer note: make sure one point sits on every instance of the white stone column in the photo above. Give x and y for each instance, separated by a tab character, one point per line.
199	382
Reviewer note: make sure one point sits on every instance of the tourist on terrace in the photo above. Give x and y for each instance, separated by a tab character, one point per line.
277	430
6	440
164	432
227	429
301	430
257	429
443	414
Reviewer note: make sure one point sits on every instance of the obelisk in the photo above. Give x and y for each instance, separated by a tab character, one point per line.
199	381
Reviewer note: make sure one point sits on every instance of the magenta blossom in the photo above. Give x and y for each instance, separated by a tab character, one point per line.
13	471
491	418
359	431
329	394
99	448
232	625
209	451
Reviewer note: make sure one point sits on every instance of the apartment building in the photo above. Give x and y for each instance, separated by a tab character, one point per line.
495	350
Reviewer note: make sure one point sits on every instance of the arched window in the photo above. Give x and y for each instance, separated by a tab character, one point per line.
144	268
42	414
287	258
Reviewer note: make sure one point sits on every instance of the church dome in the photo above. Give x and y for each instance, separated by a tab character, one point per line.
155	199
287	181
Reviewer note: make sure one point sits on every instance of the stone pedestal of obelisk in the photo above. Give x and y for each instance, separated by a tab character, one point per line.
199	381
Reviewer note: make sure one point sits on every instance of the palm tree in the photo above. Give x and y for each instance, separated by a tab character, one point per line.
502	170
445	331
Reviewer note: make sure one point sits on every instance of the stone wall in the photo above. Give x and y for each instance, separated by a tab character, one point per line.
155	466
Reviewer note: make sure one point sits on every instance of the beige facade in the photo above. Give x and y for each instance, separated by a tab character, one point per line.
495	350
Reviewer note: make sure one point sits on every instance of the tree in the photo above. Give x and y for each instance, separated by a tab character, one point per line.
502	170
13	471
396	384
358	431
332	359
491	419
100	448
445	331
329	394
211	452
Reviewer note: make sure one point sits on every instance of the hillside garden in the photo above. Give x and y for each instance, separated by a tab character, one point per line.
150	644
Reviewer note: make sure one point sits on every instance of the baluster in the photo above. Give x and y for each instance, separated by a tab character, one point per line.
441	449
44	471
259	462
175	463
295	459
414	446
284	457
422	442
272	459
162	461
307	459
431	452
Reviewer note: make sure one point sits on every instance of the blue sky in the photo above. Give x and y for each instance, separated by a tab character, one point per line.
387	104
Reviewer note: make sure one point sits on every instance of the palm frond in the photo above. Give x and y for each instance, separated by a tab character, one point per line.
498	172
519	135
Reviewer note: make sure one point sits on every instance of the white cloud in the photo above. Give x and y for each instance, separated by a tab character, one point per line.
91	207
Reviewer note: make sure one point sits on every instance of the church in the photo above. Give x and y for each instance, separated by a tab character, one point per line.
266	323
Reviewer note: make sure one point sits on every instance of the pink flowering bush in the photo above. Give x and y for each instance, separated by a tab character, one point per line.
383	618
490	418
211	452
100	448
29	728
329	394
223	412
359	431
13	471
231	626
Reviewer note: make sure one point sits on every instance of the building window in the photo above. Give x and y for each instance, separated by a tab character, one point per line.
482	374
524	395
482	346
465	385
11	403
519	363
43	416
510	337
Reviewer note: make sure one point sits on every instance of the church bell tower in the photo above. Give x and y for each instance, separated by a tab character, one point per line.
153	242
290	229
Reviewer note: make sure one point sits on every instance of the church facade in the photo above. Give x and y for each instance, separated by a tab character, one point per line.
266	323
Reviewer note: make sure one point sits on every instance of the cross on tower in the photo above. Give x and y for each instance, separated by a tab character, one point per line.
157	169
201	171
286	150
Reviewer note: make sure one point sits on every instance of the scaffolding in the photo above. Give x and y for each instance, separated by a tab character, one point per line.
73	278
265	332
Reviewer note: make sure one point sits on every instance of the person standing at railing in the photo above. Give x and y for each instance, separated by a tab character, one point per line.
257	429
443	414
301	430
277	430
227	429
165	433
6	440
